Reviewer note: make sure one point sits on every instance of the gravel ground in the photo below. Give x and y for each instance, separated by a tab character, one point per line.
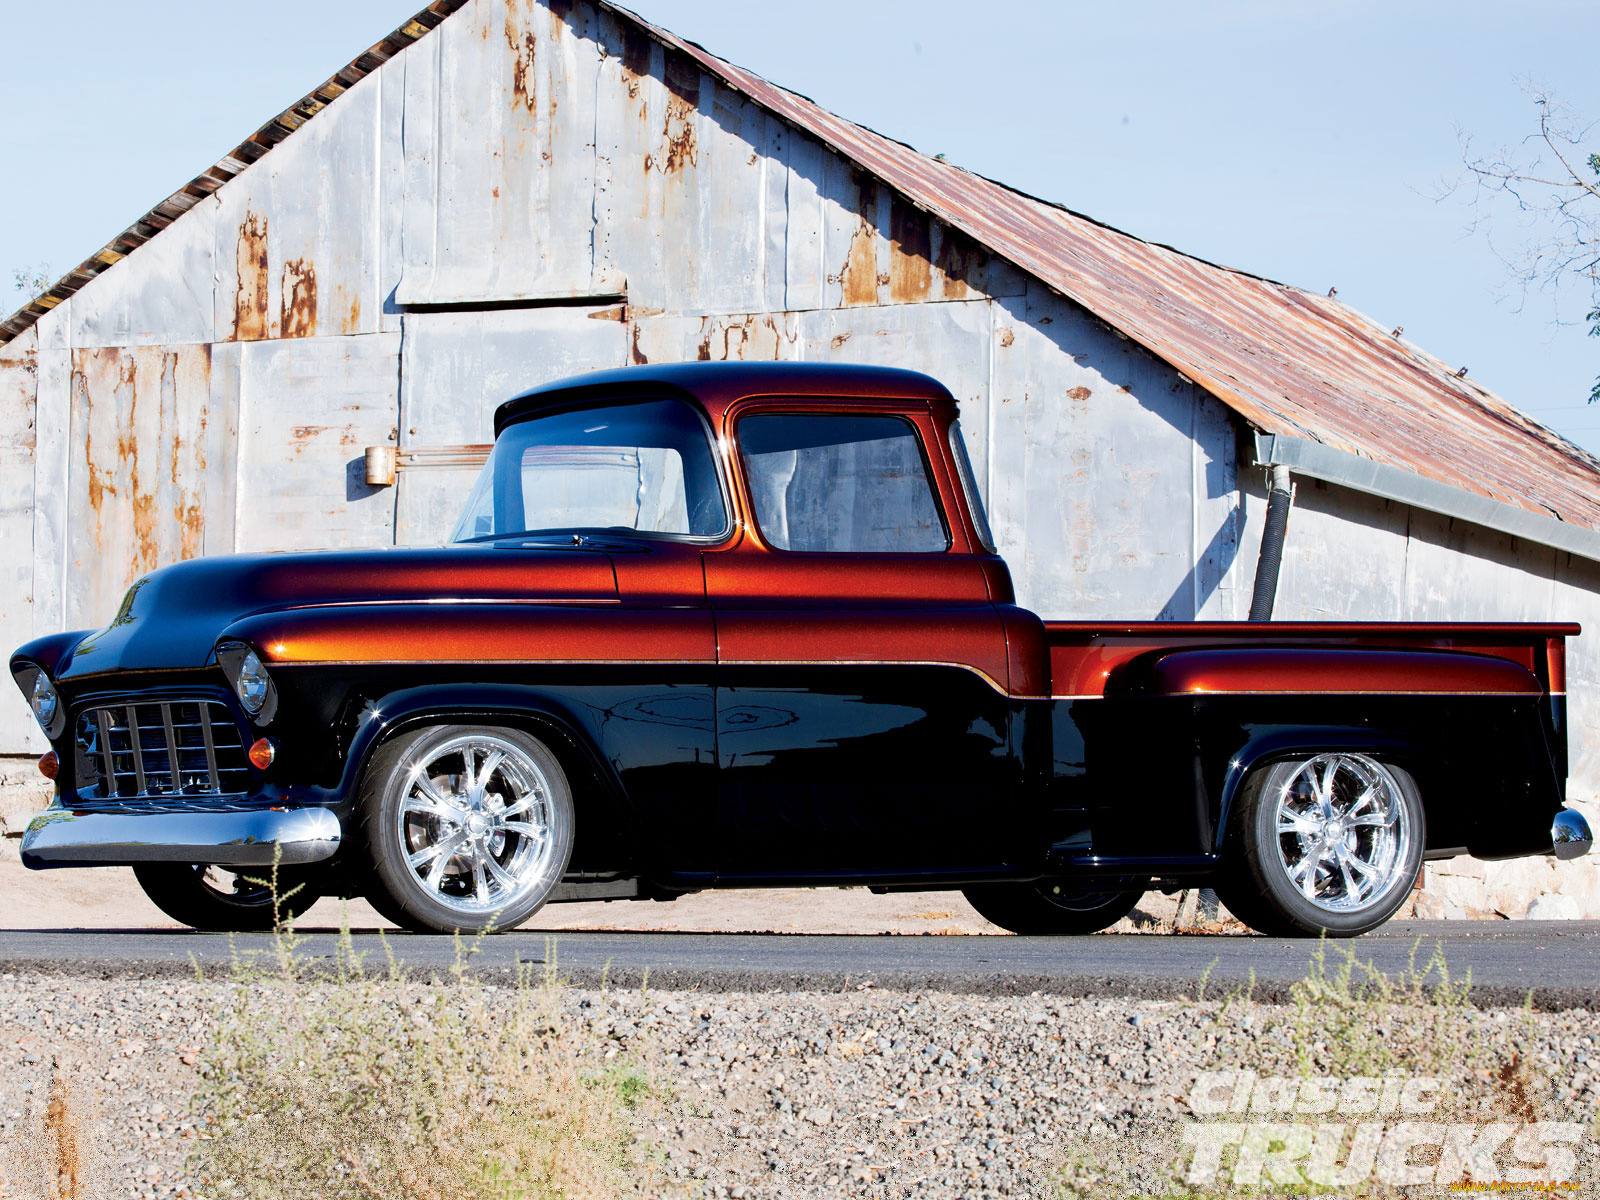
867	1093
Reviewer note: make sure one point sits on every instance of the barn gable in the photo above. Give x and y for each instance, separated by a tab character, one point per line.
505	192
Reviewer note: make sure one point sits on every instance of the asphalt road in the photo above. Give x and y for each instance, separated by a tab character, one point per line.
1557	962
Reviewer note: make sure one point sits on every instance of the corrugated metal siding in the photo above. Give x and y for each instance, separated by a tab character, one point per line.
19	382
139	468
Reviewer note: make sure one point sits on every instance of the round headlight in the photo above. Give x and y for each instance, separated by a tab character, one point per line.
252	684
46	702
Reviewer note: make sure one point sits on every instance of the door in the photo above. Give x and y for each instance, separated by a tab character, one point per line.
862	716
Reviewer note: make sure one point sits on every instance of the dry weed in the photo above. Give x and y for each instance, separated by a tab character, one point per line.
1346	1020
367	1086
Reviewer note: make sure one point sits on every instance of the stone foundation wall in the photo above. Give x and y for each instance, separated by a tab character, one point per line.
23	792
1538	888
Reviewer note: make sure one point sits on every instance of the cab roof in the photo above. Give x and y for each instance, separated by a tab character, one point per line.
716	385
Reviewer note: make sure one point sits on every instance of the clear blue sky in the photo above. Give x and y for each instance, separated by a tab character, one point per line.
1305	142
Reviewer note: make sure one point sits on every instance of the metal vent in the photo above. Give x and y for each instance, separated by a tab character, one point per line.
174	748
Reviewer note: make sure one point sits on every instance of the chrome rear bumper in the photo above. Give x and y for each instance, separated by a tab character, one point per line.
1569	834
60	838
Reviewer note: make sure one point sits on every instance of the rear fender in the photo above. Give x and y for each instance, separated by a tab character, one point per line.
1270	746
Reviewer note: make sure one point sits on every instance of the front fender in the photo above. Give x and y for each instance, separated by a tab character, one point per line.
53	652
607	809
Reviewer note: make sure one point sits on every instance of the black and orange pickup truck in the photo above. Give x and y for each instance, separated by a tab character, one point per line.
718	626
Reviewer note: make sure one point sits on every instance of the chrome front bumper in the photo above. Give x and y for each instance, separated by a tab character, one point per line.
1569	834
58	837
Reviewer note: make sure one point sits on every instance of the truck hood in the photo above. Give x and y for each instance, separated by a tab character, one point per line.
171	618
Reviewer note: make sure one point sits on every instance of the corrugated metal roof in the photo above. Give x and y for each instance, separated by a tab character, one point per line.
1290	362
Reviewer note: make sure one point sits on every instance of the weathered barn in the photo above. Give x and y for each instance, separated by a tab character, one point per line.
503	192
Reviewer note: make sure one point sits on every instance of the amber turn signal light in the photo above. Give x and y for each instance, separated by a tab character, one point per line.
49	764
262	752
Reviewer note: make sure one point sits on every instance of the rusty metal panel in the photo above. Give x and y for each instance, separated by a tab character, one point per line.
166	295
19	380
222	450
501	119
456	368
948	341
735	337
52	456
1577	597
297	237
138	469
805	243
308	409
390	82
1345	557
1097	497
677	151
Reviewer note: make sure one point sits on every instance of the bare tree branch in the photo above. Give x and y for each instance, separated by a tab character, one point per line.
1551	184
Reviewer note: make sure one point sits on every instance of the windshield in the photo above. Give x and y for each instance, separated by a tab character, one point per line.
642	467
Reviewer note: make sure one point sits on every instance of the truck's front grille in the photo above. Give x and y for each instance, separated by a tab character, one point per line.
171	748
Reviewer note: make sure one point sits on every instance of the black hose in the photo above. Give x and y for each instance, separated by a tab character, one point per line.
1266	590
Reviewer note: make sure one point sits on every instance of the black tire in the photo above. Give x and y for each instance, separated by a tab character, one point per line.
1257	881
460	890
228	899
1053	907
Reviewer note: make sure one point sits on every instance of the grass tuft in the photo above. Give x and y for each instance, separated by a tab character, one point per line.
362	1084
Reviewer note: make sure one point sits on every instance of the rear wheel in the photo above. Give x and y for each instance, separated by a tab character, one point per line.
467	828
225	899
1328	844
1053	906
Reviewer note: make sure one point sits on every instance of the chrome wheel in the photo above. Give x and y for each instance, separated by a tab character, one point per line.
1343	831
475	823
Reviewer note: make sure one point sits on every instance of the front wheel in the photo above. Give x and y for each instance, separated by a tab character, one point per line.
1328	844
226	899
467	828
1052	906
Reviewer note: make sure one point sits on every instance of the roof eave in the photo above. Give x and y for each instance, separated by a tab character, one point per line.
1318	461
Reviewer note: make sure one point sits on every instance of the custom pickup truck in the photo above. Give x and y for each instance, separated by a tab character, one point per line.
719	626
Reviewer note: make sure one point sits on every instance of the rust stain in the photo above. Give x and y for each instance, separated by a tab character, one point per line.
839	339
1007	338
677	132
639	357
252	319
99	481
757	337
858	278
299	298
353	316
910	243
1078	393
523	51
959	258
635	57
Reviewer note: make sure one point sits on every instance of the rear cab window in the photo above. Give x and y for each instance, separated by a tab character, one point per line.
840	483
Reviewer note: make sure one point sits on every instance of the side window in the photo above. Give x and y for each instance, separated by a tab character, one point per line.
846	484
